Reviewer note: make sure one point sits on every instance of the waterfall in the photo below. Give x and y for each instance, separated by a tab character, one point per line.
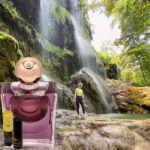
87	54
45	28
103	91
45	17
85	51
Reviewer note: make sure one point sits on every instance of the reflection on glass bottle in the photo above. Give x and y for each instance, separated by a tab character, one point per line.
33	101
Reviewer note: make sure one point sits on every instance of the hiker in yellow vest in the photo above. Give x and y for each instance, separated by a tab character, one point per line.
79	99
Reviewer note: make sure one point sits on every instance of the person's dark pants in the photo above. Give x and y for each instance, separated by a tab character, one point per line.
79	101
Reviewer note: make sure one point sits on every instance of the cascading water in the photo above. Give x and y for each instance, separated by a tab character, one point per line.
85	50
45	17
87	54
45	27
101	88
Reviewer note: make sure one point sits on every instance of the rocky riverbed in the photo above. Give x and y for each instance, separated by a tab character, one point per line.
98	133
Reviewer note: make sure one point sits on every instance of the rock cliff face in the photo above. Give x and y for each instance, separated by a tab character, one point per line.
19	19
29	9
9	54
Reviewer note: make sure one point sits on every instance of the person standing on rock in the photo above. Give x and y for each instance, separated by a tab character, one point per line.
79	99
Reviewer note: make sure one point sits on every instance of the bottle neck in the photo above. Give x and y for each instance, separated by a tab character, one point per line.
29	86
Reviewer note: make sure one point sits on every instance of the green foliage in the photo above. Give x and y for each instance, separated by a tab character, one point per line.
19	24
94	5
137	61
4	36
133	16
9	6
85	9
60	13
110	64
8	39
9	55
55	50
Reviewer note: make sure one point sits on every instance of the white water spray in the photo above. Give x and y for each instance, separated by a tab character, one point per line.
45	17
86	53
101	88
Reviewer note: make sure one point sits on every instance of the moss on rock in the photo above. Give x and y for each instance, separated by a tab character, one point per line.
31	42
138	98
9	55
60	13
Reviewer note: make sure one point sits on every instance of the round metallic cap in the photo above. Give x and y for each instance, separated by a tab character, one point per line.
28	69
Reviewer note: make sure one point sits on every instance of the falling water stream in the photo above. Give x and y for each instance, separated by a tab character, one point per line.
45	27
101	88
45	17
86	53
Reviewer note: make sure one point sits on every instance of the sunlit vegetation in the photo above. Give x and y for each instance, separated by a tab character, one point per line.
133	16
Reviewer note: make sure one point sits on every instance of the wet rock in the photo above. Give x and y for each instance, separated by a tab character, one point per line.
65	97
96	133
97	97
29	9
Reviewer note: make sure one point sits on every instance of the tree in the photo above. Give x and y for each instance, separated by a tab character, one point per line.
110	64
133	16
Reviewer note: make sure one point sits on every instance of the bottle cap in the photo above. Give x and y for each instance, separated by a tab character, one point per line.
28	69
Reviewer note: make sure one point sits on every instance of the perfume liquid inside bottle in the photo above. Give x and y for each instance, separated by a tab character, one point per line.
33	101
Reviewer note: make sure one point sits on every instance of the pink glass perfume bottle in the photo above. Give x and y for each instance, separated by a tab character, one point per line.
33	101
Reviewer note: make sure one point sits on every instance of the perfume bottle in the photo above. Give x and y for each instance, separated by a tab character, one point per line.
32	100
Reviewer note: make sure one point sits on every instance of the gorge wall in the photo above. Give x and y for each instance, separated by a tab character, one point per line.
20	19
57	32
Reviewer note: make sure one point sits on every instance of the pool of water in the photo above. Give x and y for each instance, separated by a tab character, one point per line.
117	116
126	116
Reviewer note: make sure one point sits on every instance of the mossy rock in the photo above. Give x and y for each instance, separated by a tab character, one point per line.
138	98
9	55
60	13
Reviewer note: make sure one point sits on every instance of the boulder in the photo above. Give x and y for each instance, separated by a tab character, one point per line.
65	97
97	96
